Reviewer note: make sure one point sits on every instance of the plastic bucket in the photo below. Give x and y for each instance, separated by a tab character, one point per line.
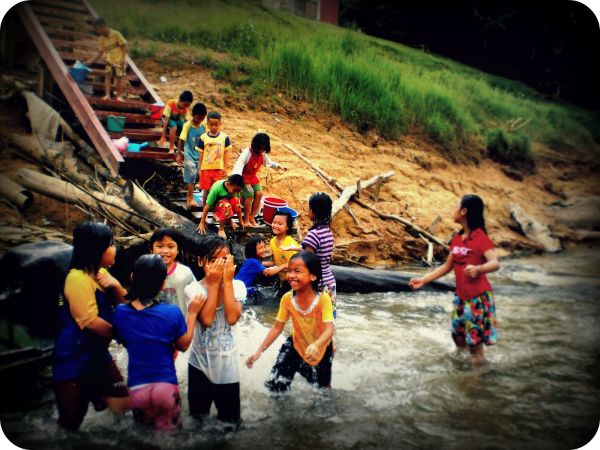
78	74
136	147
115	123
270	205
156	110
287	209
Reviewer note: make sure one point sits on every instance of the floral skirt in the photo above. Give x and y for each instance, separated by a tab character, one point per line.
475	319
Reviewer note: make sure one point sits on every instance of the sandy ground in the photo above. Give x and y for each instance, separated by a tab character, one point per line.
424	186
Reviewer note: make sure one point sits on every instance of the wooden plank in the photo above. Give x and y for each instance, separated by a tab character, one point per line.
127	88
52	31
61	13
99	74
57	22
129	117
137	134
69	6
116	104
76	99
143	154
84	46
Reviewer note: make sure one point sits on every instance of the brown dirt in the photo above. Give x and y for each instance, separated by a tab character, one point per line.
425	183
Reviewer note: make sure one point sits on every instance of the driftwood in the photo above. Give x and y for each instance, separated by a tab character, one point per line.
405	222
14	193
349	191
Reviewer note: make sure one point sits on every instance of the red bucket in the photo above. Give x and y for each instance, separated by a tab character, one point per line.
156	110
270	205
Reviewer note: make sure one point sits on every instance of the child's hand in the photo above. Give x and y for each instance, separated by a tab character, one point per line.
283	168
416	283
178	158
252	359
286	248
472	271
312	351
107	281
201	228
196	304
214	271
228	268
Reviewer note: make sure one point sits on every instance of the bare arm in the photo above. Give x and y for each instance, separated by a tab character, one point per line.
107	281
269	272
233	308
275	331
417	283
183	342
100	327
313	350
89	62
491	265
212	281
202	225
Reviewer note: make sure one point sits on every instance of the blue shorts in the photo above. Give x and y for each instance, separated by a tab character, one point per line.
475	319
190	171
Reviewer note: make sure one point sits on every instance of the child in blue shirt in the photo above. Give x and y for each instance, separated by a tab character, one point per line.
149	330
255	251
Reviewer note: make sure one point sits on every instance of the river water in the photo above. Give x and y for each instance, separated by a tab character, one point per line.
397	380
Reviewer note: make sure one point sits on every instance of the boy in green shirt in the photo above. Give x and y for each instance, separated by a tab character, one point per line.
224	196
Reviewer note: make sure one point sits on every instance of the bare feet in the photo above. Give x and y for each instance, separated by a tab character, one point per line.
234	226
222	234
120	99
192	202
106	97
171	151
252	222
246	224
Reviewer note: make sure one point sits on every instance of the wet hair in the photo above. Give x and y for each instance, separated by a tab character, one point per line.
90	241
211	246
474	205
312	263
199	109
161	233
250	249
149	273
214	115
320	204
236	180
261	141
98	22
186	96
288	218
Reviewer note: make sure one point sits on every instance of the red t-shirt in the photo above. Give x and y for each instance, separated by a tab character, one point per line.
470	251
250	171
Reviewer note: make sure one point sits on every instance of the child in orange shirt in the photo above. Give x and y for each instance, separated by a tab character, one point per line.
175	114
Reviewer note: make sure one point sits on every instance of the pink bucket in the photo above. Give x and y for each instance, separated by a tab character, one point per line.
270	205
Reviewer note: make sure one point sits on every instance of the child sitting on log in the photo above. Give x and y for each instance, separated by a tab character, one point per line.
224	197
174	115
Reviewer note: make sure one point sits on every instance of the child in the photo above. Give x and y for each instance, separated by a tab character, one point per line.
113	46
83	369
174	116
282	226
213	358
248	165
224	196
149	330
255	252
309	350
472	255
214	147
188	139
166	242
319	240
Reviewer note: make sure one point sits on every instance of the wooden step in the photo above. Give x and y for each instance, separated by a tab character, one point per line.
129	117
127	88
66	5
98	74
70	25
137	134
41	9
54	31
118	105
147	154
78	45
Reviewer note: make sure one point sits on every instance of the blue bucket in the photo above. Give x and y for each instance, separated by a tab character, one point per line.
287	209
136	147
78	74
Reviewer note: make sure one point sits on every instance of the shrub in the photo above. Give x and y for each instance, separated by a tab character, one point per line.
510	149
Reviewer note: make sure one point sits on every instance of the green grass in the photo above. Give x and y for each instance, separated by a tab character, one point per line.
371	83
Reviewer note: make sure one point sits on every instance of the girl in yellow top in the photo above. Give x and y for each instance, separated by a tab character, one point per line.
282	226
308	351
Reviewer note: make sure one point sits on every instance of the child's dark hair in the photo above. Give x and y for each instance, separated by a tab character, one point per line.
98	22
211	246
149	273
474	205
320	204
236	180
199	109
214	115
90	240
261	141
313	265
250	249
161	233
186	96
289	219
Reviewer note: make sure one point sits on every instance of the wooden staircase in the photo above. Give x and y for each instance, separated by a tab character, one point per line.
61	32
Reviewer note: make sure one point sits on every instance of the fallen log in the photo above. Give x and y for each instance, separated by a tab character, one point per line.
351	190
14	193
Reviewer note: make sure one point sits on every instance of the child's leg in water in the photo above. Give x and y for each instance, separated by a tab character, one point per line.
288	362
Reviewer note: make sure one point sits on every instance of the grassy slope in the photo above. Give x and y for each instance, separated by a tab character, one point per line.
371	83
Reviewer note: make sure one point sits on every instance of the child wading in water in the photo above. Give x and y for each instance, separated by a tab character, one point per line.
166	242
309	350
214	374
255	252
248	164
282	226
472	255
149	330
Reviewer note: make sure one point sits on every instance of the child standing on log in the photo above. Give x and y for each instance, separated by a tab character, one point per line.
472	255
224	196
248	164
149	329
213	357
174	116
214	147
309	351
83	369
166	242
113	46
188	139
